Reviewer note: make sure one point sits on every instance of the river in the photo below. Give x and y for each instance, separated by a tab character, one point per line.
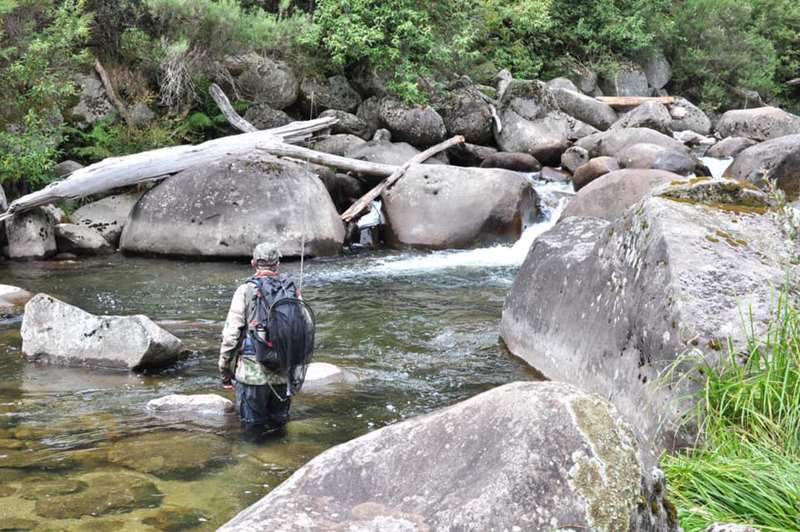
79	451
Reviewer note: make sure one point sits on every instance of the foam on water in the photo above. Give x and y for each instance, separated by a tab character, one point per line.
716	166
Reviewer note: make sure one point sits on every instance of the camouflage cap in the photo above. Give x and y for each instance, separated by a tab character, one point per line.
267	252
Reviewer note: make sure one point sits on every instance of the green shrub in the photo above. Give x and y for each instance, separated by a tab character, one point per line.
108	138
746	469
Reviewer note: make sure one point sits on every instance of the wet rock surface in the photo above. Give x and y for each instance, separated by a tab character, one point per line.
54	332
225	208
519	162
537	455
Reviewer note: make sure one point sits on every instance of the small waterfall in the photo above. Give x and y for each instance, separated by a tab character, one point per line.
716	166
553	197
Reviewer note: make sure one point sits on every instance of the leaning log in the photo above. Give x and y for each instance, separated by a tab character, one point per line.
363	203
634	101
129	170
230	114
794	82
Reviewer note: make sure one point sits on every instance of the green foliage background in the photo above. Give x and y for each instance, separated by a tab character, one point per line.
164	53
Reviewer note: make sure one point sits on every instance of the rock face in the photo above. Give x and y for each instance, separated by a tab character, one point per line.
224	209
585	108
57	333
420	126
608	306
262	116
108	215
264	80
687	116
201	405
333	93
655	157
761	123
614	141
81	240
524	456
657	70
465	113
609	196
348	123
629	81
440	207
30	235
532	122
93	104
649	114
729	147
573	158
588	172
757	162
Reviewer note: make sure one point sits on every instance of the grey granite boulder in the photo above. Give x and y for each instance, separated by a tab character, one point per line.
338	144
225	208
592	169
81	240
573	158
614	141
93	104
440	207
420	126
12	297
519	162
348	123
108	215
54	332
30	234
654	157
585	108
262	116
265	80
757	163
687	116
628	80
657	69
729	147
761	123
524	456
608	306
466	113
335	92
652	115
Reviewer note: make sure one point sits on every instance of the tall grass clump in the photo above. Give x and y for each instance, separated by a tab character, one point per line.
746	467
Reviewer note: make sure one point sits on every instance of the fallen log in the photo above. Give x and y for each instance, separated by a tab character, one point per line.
230	114
794	82
362	203
129	170
634	101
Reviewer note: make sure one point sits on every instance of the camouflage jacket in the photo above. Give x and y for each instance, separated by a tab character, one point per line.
248	370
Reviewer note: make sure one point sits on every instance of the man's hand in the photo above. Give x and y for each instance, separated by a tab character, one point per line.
227	378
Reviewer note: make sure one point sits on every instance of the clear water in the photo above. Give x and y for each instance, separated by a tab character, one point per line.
78	450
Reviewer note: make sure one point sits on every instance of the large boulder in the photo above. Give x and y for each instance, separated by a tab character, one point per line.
524	456
652	115
224	209
609	196
625	81
585	108
420	126
655	157
687	116
562	83
608	306
262	116
532	122
108	215
12	297
370	112
786	175
347	123
265	80
30	234
614	141
591	170
466	113
317	95
383	151
573	158
729	147
339	144
657	69
81	240
757	163
93	104
761	123
438	207
54	332
367	79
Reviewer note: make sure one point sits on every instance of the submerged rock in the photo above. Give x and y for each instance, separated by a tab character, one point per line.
224	209
170	454
175	519
103	493
439	207
527	456
57	333
192	405
322	373
608	306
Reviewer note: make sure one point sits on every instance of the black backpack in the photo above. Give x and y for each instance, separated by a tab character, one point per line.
282	330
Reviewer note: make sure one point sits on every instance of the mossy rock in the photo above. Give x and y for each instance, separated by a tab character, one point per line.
11	444
35	460
16	523
102	525
36	491
170	454
6	490
104	494
176	518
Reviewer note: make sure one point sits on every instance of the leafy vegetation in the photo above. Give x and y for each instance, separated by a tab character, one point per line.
747	467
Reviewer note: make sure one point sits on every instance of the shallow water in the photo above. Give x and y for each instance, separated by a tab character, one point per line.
78	451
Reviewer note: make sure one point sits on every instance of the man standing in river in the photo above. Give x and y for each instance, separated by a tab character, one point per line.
262	401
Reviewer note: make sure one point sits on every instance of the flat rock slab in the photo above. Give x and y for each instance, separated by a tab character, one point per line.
202	405
58	333
524	456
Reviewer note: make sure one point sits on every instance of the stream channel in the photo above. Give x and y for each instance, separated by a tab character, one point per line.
79	451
